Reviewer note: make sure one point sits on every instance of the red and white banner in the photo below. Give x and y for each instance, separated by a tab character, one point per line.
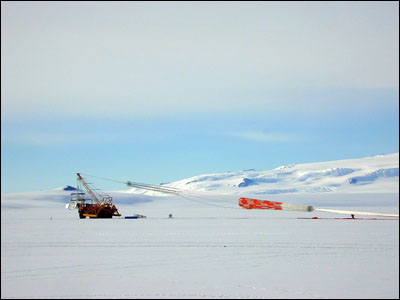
250	203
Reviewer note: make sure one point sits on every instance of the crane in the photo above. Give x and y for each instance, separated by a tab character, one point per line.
100	207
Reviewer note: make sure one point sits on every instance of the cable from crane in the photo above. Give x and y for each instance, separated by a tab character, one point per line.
107	179
187	198
186	194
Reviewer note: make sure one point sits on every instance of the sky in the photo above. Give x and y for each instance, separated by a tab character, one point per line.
155	92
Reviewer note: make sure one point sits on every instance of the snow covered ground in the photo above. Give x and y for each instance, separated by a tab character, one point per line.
211	248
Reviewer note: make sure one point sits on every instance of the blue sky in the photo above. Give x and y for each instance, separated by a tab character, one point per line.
159	91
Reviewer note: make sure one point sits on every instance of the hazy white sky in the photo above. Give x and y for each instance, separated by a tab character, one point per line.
160	91
157	58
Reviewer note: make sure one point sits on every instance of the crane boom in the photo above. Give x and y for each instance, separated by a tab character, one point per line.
89	190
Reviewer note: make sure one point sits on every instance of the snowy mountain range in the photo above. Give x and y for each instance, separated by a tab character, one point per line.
374	174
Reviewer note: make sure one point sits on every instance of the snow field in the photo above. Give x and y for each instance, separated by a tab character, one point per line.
203	252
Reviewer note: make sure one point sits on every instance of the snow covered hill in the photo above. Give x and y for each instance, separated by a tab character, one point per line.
375	174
